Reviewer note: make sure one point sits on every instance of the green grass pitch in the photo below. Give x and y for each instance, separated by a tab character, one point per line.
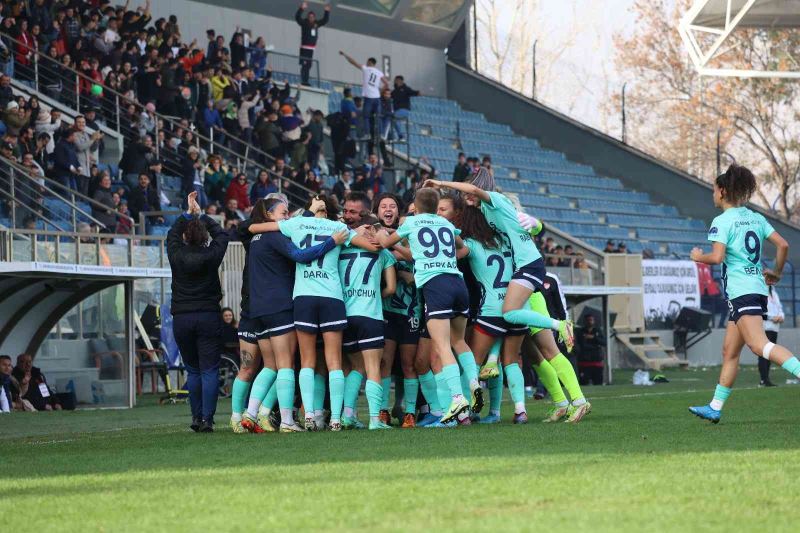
638	462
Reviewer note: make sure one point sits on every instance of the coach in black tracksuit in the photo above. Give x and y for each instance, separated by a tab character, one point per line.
309	32
197	317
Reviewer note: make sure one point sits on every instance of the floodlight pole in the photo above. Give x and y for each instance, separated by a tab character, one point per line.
533	89
624	137
719	155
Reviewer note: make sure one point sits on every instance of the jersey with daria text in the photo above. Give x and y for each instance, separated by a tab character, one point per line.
320	277
743	233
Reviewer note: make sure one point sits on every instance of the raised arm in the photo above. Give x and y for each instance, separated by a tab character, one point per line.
326	17
403	252
466	188
360	241
386	240
298	15
307	255
389	282
351	60
715	257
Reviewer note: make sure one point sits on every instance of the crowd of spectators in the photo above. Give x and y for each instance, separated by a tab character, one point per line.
557	255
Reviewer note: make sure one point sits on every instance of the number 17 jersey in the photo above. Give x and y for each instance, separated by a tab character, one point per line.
743	233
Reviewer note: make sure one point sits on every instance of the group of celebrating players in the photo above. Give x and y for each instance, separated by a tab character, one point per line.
394	285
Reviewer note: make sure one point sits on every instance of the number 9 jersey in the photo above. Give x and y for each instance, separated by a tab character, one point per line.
433	246
743	232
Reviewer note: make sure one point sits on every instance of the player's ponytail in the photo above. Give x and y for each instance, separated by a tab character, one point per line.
475	226
737	184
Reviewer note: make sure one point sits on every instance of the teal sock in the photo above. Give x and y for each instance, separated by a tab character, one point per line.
494	351
352	386
453	378
336	384
496	392
285	388
271	398
410	391
374	393
319	392
465	390
721	394
428	385
467	362
516	386
307	390
258	392
442	391
386	383
239	395
526	317
792	365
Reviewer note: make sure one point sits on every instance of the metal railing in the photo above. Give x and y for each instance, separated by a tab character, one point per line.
25	191
289	64
73	88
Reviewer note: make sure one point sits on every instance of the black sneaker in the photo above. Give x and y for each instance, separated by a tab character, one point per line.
275	418
206	426
196	421
766	383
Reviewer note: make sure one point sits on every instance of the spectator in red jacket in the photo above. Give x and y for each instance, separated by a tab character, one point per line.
238	190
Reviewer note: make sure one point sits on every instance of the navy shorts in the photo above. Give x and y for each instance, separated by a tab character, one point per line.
318	314
401	329
445	297
531	275
247	330
274	325
748	304
362	333
496	326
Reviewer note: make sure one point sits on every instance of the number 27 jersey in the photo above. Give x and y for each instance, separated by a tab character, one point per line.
743	233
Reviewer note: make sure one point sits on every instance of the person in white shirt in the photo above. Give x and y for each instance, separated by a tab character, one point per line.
772	325
373	82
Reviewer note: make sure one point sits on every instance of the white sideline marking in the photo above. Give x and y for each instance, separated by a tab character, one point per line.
666	393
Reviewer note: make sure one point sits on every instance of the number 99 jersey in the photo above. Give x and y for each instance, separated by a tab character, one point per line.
743	233
433	246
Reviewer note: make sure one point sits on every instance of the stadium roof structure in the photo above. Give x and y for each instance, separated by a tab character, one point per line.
720	18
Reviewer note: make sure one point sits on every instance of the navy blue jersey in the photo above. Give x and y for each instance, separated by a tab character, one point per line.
243	232
271	267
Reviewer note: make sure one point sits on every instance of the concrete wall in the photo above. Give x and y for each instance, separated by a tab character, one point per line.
583	144
423	67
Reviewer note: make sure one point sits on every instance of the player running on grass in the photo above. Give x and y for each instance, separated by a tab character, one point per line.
434	242
528	264
361	273
490	261
737	236
272	271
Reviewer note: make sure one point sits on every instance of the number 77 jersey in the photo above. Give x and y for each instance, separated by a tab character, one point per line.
743	233
361	273
432	240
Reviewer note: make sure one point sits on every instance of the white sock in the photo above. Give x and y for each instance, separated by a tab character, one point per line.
286	416
374	419
473	384
457	398
562	403
436	413
252	407
716	404
556	324
492	358
236	417
318	413
519	407
495	412
579	402
264	410
348	412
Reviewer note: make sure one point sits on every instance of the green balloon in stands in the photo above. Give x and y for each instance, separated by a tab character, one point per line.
97	90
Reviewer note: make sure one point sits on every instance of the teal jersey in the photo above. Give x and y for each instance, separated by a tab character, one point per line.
743	233
361	273
492	270
502	216
404	298
320	277
433	246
